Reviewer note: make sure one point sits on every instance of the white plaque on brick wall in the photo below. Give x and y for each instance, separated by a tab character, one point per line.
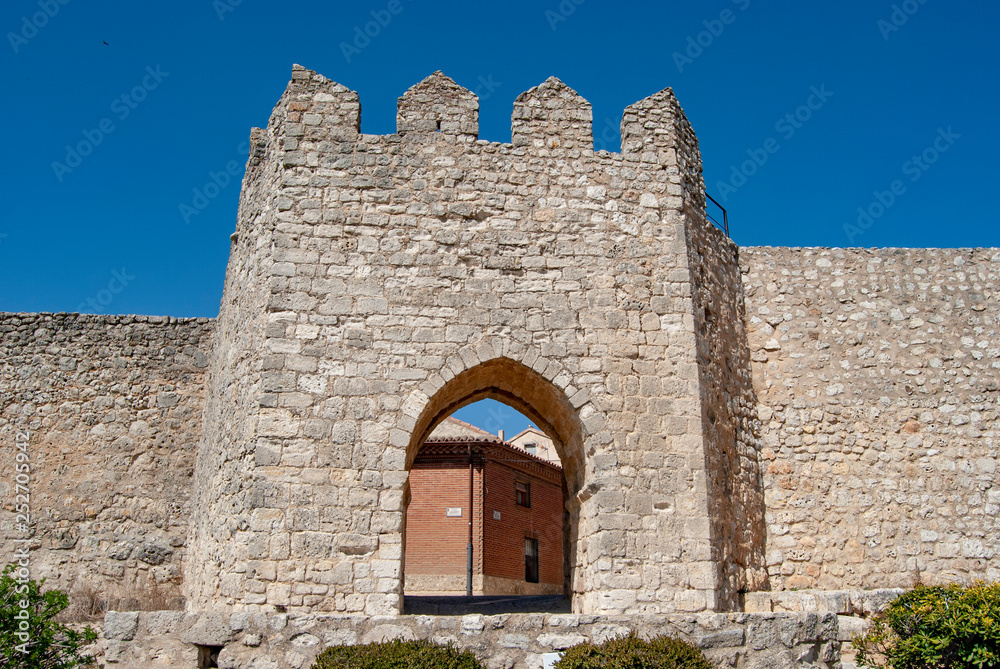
454	512
496	515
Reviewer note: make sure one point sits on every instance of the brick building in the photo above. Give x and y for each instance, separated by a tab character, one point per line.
517	516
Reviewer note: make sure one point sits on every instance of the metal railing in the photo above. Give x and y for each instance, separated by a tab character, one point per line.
724	223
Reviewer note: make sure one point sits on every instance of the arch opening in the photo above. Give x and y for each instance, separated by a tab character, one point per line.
524	390
517	499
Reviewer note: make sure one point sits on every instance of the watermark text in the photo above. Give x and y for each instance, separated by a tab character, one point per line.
122	106
21	559
212	188
786	126
562	12
901	13
363	35
914	169
31	25
696	44
223	7
96	304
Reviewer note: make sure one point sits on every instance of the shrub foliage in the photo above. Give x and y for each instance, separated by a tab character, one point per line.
633	652
30	637
936	627
396	654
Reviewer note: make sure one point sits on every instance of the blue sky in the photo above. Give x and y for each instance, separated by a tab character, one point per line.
875	91
494	416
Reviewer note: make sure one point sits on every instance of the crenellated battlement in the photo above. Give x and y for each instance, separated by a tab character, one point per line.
549	119
552	115
438	105
314	136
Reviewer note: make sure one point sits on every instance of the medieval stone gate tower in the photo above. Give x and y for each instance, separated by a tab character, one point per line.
378	283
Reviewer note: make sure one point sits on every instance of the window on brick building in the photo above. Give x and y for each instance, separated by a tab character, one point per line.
522	493
531	560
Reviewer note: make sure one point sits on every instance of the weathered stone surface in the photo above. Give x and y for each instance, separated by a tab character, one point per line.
206	629
560	641
387	632
878	413
121	625
739	641
110	460
844	602
851	626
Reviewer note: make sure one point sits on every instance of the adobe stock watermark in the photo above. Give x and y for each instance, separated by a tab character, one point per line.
486	86
562	12
696	44
21	558
38	20
3	236
213	187
914	168
787	126
122	106
496	418
223	7
119	281
363	35
899	16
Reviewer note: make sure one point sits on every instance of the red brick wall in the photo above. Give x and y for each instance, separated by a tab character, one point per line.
504	538
436	544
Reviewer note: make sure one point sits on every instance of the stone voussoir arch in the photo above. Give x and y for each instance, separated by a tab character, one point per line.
515	374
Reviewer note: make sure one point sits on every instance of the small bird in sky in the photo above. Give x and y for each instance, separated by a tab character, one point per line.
105	43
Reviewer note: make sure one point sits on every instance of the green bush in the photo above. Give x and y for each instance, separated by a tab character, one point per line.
632	652
30	637
396	654
936	627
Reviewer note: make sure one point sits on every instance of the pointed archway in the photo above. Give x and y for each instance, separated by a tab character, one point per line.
528	392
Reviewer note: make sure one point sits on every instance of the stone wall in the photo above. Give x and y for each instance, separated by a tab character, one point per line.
229	505
729	421
110	408
512	641
407	275
878	377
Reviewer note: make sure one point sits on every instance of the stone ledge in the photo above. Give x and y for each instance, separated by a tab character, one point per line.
513	641
862	603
